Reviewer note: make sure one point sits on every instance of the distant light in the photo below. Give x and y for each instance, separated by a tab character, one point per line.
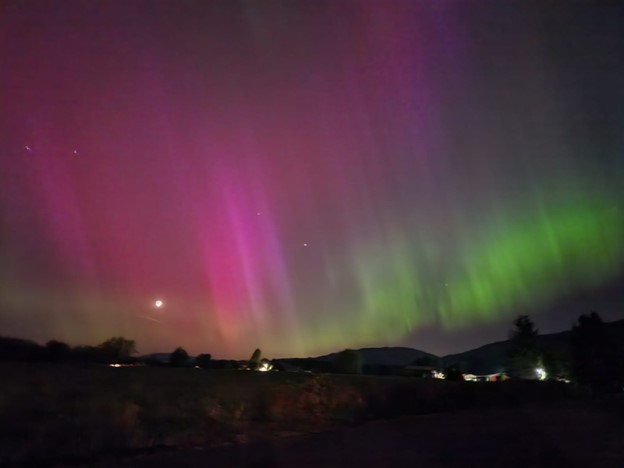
27	148
438	375
259	213
305	245
114	365
75	152
541	373
158	303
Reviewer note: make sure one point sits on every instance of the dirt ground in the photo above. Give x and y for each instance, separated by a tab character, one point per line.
562	436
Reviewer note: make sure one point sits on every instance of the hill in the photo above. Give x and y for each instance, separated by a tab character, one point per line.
19	349
487	359
387	356
490	358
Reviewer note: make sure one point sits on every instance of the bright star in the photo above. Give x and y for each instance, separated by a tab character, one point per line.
158	303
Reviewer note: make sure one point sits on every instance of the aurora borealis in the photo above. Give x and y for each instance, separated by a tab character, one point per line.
304	177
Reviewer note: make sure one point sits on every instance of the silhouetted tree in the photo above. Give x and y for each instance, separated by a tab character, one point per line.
203	360
57	351
254	361
87	354
349	361
179	358
117	349
594	360
524	356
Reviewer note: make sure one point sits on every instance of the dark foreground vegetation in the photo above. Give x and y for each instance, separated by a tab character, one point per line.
67	413
100	404
561	434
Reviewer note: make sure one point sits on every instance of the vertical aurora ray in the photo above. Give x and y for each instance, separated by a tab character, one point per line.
247	277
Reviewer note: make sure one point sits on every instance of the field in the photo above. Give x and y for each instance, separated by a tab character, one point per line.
543	436
57	415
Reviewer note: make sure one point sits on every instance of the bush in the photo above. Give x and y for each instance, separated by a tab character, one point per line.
179	358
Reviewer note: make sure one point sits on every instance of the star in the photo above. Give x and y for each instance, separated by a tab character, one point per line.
75	152
28	148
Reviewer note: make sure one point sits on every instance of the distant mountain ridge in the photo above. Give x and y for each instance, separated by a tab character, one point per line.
490	358
486	359
388	356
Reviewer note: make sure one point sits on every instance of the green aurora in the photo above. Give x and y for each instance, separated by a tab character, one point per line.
534	260
517	265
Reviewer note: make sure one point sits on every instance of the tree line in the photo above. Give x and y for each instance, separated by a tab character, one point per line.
116	350
590	355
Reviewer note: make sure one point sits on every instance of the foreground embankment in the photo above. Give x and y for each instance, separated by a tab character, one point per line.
55	412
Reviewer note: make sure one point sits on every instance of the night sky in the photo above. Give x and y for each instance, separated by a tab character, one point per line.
307	176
